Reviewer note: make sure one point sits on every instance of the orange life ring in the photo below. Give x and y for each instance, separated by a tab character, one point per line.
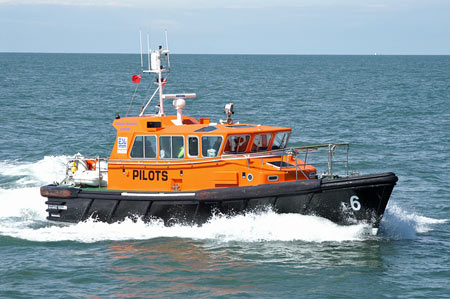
90	164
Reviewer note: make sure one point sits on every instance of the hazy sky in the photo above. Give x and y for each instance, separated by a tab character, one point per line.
216	26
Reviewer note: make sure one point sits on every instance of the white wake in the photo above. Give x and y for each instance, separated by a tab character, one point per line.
23	216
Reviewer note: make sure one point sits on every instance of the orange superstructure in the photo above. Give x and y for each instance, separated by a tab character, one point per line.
153	153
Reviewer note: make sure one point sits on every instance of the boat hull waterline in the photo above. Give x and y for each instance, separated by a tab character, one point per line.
345	201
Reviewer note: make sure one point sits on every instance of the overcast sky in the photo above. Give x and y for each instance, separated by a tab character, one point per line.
234	26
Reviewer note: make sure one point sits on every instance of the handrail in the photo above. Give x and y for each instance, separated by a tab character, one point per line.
294	151
331	153
79	157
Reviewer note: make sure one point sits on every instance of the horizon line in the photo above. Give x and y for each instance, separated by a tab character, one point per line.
260	54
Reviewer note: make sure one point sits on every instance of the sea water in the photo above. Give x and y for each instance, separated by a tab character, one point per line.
393	110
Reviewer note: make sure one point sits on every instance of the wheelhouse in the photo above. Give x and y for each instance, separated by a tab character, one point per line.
195	141
194	154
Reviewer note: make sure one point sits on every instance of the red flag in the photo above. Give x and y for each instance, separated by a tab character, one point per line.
164	82
136	79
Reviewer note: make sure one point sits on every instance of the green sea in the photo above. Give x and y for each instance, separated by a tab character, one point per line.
393	110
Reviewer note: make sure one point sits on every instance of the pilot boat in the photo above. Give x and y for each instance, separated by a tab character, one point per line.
184	170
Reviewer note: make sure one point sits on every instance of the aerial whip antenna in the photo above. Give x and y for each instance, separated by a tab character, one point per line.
148	50
167	48
140	44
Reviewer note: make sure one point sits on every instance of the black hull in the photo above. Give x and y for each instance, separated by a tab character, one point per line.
344	201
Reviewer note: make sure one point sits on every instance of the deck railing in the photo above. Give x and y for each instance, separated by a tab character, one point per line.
303	153
330	161
100	168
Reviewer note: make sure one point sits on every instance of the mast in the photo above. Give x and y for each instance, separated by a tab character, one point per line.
160	86
158	66
159	63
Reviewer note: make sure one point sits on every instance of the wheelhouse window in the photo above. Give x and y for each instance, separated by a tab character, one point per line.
211	145
150	147
280	141
236	144
144	147
261	142
193	146
171	147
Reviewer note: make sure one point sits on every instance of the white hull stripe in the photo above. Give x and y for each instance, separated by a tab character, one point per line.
157	194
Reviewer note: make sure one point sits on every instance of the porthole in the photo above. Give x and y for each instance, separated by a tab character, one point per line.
272	178
250	177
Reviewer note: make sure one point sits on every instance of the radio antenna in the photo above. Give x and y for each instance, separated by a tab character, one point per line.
140	44
167	48
148	50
